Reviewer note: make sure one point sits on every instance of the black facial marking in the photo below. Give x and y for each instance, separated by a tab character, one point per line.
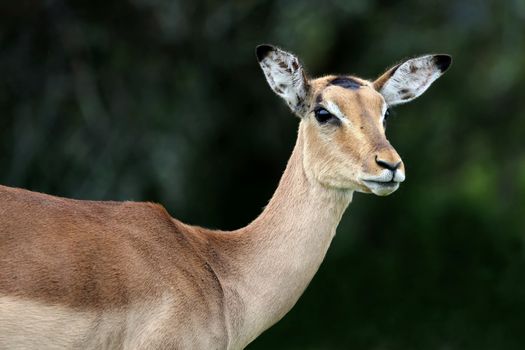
262	51
442	62
319	98
345	82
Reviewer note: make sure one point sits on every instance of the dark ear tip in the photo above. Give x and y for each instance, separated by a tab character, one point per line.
443	62
262	51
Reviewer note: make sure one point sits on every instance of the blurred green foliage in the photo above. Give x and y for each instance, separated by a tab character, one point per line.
162	100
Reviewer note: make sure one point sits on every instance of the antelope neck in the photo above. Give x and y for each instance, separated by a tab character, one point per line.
283	248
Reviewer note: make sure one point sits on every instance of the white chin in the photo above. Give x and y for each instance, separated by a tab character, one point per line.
382	189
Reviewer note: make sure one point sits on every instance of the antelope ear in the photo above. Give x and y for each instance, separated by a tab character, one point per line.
408	80
285	75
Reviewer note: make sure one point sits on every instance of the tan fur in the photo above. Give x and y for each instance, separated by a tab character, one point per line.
339	156
123	275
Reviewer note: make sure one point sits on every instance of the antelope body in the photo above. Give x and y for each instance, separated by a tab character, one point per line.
124	275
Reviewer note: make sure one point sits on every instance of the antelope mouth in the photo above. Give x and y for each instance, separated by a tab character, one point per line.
381	188
383	185
390	183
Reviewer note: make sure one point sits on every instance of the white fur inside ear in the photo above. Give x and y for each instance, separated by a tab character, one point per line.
286	78
410	80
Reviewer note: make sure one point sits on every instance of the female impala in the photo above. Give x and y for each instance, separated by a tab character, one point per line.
108	275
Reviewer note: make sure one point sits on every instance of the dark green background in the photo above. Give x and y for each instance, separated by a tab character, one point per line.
162	100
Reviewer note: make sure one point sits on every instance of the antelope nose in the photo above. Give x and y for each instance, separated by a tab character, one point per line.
388	165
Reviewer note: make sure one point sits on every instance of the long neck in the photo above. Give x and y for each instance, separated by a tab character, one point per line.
281	250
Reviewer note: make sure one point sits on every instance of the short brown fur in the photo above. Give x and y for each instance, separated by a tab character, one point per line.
129	276
116	252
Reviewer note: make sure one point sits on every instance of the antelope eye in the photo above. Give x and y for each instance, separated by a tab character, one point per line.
323	116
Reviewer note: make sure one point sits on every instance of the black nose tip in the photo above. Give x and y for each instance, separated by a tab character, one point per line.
388	165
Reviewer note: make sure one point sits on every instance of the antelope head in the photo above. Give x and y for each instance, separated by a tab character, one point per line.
343	118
